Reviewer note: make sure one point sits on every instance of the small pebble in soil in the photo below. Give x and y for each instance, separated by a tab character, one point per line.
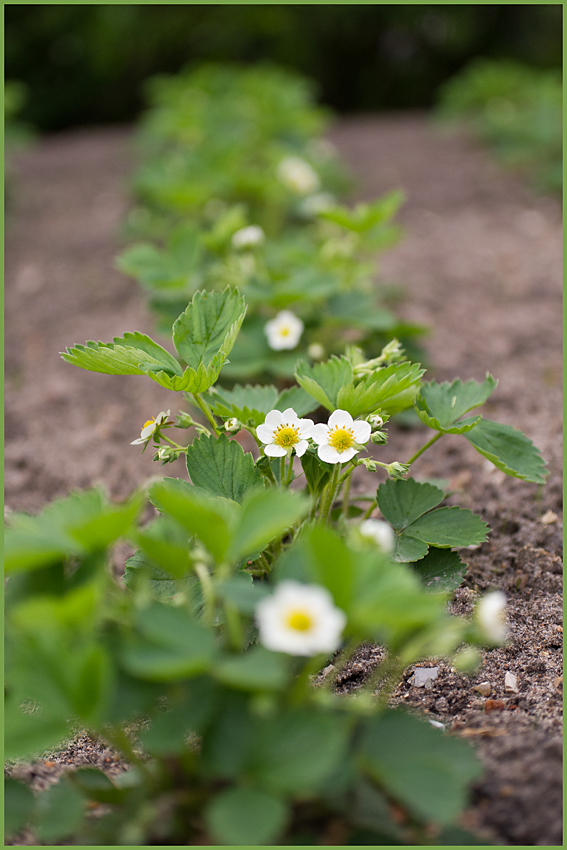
511	683
423	677
483	688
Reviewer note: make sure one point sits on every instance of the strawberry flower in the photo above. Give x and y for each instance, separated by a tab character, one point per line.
152	425
300	619
283	432
341	438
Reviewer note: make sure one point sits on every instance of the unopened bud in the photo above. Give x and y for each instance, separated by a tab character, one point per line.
397	470
370	464
167	454
184	420
375	420
379	438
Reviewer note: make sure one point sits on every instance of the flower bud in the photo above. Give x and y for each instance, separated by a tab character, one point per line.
379	438
370	464
232	425
379	532
375	420
397	470
184	420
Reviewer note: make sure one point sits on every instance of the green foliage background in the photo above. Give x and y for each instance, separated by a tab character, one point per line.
85	64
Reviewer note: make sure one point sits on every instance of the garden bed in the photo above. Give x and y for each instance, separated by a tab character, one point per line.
481	265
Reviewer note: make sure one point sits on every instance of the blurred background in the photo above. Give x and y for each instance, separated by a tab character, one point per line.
86	64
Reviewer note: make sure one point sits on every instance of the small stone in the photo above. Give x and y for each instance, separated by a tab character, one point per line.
483	688
423	677
549	517
326	670
494	705
511	683
558	682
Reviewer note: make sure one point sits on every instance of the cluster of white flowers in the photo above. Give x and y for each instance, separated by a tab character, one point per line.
296	174
150	427
300	619
337	441
247	237
284	331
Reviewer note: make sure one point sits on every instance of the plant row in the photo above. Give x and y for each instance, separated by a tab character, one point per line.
255	573
239	188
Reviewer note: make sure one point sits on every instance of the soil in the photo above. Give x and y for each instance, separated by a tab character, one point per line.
480	264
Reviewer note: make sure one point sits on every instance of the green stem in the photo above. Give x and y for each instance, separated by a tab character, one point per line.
234	625
207	412
368	512
289	472
423	448
208	593
172	443
329	495
282	470
346	492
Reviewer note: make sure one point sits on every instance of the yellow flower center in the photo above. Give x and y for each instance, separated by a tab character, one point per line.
149	422
285	331
286	436
341	438
300	621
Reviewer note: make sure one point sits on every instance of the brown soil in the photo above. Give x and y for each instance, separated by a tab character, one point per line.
481	264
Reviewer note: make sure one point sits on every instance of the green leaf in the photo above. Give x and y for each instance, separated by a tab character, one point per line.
448	527
245	403
189	712
441	570
19	805
266	514
403	501
408	549
359	309
317	473
165	543
60	810
242	592
390	390
206	518
254	670
245	816
95	785
426	770
82	523
141	566
132	354
509	450
170	645
221	467
439	406
297	399
296	752
323	381
28	734
205	333
332	563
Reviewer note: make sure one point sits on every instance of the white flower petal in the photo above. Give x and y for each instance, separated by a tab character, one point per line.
340	419
265	433
274	419
305	426
290	417
347	454
301	447
328	454
361	430
148	430
320	434
274	451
